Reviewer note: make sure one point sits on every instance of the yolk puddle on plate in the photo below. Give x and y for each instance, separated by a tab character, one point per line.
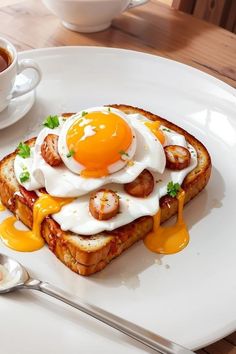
28	241
2	207
169	239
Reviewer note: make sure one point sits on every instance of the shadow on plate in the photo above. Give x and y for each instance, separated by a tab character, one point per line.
127	267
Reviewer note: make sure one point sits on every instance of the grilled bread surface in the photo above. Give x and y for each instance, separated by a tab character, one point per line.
88	255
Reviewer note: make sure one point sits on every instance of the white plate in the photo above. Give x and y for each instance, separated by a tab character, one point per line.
188	297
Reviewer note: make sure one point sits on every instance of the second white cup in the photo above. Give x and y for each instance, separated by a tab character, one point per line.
89	15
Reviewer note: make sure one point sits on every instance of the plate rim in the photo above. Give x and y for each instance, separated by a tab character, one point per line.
208	76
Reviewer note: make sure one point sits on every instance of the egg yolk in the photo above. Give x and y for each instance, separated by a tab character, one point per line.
97	140
154	127
169	239
28	241
2	207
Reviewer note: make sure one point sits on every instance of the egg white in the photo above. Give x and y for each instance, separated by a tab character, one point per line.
21	165
76	217
61	182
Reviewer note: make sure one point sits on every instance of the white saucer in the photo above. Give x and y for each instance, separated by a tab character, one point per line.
17	109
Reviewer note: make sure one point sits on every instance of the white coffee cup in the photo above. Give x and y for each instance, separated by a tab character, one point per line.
9	89
89	15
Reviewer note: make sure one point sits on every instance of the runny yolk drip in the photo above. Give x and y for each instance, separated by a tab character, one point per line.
97	140
2	207
28	241
154	127
169	239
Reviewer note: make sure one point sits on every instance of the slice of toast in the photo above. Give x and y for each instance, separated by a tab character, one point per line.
87	255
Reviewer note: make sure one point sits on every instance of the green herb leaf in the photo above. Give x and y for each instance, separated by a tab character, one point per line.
109	109
84	113
51	122
23	150
173	189
24	176
122	152
166	130
70	153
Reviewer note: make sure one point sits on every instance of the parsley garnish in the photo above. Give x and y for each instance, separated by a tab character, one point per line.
122	152
23	150
24	176
70	153
84	113
51	122
109	109
173	189
166	130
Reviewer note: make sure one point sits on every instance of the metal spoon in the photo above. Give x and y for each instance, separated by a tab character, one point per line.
18	278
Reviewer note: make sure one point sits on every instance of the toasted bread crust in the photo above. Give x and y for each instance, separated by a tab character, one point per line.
79	253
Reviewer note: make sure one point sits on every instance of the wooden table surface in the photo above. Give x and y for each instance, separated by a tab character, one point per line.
153	28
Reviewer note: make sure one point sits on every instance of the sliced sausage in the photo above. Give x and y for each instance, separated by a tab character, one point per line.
104	204
67	115
49	150
142	186
177	157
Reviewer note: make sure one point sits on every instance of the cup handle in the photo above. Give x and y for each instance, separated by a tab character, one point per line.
34	78
134	3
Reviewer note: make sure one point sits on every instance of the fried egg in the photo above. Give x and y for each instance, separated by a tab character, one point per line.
100	142
76	217
103	147
146	152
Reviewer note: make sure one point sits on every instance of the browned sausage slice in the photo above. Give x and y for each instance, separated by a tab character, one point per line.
49	150
104	204
177	157
142	186
67	115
